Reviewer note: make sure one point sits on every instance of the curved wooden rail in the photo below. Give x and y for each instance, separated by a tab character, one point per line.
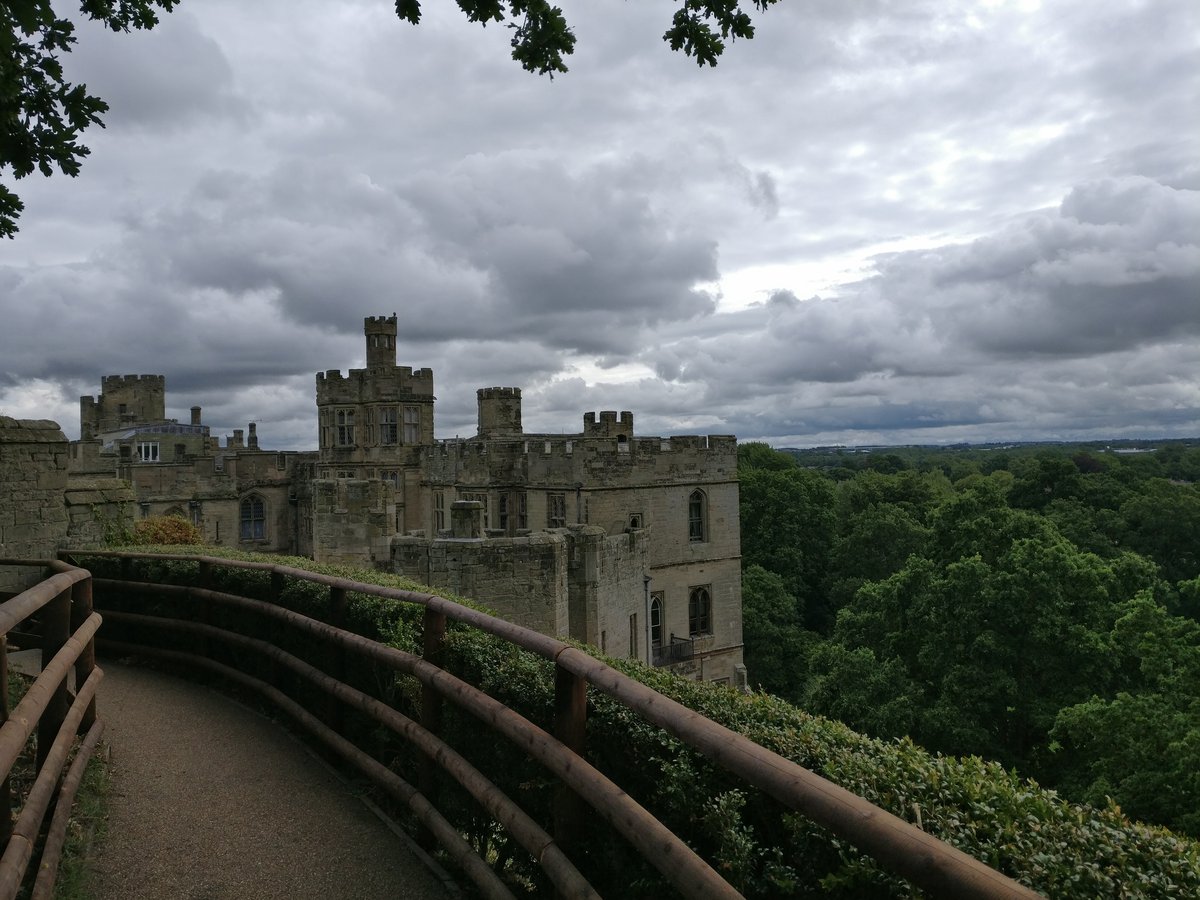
62	603
900	847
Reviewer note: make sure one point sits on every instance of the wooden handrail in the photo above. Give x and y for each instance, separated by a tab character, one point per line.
899	846
63	603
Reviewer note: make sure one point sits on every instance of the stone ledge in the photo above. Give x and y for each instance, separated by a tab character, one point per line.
30	431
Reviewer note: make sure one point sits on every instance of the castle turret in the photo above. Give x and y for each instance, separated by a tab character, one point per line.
124	401
609	425
499	411
381	341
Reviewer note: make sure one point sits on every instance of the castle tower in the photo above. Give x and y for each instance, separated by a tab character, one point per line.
499	412
124	401
367	415
381	341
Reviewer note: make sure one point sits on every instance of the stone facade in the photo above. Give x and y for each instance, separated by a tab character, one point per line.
674	598
33	472
237	494
627	542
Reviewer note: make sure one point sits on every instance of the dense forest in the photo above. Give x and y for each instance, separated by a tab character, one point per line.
1035	606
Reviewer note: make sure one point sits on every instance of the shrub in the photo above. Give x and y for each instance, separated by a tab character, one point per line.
165	530
1060	849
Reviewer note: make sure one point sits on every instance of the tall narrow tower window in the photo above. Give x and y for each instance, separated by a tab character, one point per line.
412	425
699	611
387	425
697	517
344	420
254	518
656	619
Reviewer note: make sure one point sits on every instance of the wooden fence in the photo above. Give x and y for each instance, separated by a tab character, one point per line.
58	618
897	845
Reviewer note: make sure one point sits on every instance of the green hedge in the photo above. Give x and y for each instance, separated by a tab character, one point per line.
1057	848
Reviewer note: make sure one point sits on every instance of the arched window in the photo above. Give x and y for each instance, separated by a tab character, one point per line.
699	611
254	518
656	620
697	517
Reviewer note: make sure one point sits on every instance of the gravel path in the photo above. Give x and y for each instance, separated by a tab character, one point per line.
211	801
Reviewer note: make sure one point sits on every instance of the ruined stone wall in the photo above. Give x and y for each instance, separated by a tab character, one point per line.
524	579
99	510
33	475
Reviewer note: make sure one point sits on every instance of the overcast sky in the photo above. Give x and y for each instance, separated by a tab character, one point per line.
877	222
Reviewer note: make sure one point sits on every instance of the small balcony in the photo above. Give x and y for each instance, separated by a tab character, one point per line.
677	651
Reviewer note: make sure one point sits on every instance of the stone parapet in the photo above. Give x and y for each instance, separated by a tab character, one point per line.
33	475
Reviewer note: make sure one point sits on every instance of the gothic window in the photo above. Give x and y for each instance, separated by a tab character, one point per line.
503	511
699	611
697	517
656	619
387	425
556	510
391	476
522	511
344	420
412	425
254	518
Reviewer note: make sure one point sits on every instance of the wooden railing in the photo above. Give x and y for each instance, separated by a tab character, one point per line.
61	606
898	846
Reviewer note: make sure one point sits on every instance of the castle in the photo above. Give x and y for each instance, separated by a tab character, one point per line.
629	543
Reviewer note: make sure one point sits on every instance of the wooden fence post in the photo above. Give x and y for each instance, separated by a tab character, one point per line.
570	727
337	661
434	653
6	823
56	631
81	611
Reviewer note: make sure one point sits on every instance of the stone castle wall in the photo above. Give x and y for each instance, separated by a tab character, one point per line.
33	477
576	582
353	521
524	579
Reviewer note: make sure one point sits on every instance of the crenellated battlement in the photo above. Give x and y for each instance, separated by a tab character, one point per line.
358	374
609	425
575	458
367	386
499	411
113	383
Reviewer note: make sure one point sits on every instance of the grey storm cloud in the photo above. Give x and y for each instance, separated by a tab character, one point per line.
127	71
871	223
1110	274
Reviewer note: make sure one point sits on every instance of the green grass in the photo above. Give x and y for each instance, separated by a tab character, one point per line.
89	822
